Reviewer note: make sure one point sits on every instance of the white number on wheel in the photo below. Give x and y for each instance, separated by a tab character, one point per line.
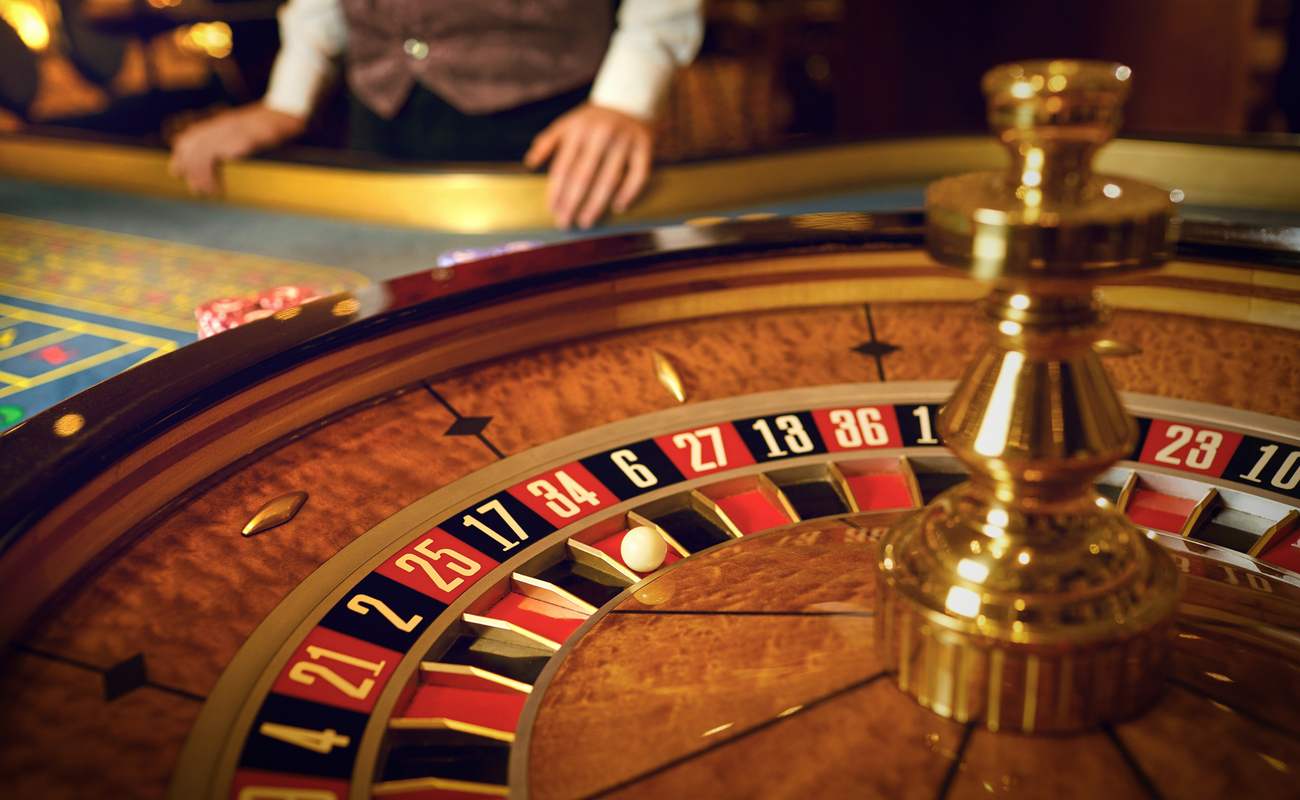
362	604
457	563
1200	456
793	433
495	507
564	503
922	414
639	474
1286	477
858	427
695	440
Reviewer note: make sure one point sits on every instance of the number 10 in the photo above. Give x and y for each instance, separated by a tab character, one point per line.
1286	477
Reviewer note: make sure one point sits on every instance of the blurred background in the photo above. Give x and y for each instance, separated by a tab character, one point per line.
772	73
149	270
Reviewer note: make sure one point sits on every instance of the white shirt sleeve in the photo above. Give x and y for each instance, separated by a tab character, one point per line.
313	33
653	39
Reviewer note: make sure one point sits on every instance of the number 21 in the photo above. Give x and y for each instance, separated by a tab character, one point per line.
306	672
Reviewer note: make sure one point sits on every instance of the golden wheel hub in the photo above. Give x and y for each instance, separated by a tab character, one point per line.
1022	599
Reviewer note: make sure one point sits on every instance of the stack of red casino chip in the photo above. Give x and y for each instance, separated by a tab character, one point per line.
225	313
282	297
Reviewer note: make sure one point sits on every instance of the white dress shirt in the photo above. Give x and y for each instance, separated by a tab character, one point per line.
652	39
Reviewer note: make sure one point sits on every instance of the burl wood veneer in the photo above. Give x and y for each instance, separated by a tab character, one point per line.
685	689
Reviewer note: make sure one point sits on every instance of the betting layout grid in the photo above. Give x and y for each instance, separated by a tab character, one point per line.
48	353
307	731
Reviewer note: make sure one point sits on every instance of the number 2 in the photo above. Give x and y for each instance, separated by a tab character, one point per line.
362	604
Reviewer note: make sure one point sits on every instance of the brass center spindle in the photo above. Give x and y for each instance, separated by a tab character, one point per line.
1022	599
1035	418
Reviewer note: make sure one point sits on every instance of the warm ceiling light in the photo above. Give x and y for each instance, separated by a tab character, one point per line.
28	21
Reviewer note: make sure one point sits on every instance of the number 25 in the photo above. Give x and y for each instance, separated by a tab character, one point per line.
457	563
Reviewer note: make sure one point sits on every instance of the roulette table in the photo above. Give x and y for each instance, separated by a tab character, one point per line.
377	545
104	259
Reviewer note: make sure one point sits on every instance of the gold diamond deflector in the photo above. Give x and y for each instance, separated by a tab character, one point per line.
1023	600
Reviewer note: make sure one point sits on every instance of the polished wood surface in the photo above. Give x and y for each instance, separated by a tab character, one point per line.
831	560
60	738
1181	356
190	592
757	668
895	749
1045	766
645	704
187	595
578	386
146	442
1197	745
186	591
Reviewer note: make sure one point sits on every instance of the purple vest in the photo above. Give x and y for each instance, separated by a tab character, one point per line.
479	55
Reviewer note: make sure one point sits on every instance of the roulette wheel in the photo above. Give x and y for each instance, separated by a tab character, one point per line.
639	516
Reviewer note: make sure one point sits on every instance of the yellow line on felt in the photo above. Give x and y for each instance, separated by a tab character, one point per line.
96	329
96	307
69	369
18	381
40	341
97	237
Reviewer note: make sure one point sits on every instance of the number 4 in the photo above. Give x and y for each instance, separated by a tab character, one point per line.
306	738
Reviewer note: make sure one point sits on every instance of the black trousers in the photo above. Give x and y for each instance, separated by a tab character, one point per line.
428	128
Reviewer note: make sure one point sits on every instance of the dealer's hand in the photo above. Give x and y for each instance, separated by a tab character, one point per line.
597	155
199	150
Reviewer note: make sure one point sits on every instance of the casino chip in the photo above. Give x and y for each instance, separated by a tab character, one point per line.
225	313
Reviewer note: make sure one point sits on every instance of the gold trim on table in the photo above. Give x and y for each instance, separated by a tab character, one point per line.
507	199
